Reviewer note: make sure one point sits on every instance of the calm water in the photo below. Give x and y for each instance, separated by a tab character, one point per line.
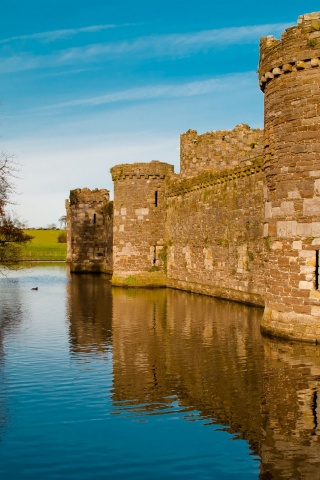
101	383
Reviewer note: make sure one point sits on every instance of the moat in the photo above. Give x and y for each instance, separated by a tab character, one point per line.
99	382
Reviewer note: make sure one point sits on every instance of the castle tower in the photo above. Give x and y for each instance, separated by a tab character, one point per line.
139	223
289	75
89	231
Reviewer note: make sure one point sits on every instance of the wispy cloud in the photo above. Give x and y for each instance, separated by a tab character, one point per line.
153	46
154	92
175	44
53	35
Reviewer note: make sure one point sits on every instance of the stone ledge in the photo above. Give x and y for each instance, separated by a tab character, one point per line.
287	68
208	178
291	326
139	279
239	296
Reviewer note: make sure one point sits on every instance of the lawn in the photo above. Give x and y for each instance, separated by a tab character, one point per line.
44	246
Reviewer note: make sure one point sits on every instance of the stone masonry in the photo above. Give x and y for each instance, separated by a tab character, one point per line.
242	219
289	75
220	150
89	231
139	223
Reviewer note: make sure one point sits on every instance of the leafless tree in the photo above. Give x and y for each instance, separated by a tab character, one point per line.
12	235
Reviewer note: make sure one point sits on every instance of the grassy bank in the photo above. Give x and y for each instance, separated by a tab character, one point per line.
44	246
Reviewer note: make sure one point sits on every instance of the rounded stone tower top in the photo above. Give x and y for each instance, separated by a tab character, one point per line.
154	169
298	49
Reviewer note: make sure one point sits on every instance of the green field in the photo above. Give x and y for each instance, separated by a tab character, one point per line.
44	246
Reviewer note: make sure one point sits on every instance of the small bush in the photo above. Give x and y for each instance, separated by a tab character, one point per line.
62	237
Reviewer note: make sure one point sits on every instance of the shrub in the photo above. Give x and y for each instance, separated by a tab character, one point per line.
62	237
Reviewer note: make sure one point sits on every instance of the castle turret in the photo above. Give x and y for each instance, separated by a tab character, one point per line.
289	75
89	230
139	223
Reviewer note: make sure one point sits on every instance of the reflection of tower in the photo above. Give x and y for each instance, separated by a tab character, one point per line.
89	231
139	223
90	313
291	442
289	74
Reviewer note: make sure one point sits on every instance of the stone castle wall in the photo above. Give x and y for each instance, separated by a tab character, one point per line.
214	234
89	231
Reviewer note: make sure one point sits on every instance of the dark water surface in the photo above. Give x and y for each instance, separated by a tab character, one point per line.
102	383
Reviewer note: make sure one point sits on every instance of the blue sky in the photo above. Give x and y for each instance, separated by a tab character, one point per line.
88	85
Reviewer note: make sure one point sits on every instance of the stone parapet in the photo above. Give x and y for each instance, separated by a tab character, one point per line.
220	150
85	195
298	49
178	186
153	169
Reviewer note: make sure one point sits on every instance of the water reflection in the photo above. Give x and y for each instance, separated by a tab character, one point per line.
291	412
11	316
175	355
206	357
89	310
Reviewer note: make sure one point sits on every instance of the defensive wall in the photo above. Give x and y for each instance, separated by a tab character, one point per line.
242	219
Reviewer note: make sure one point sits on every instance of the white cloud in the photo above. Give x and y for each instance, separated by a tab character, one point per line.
190	89
53	35
173	45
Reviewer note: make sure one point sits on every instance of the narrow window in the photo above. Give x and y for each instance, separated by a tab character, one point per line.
156	198
317	269
94	218
154	255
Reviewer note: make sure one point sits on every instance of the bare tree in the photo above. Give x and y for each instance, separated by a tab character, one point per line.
11	234
63	221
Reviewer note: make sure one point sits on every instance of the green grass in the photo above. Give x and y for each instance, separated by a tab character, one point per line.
44	246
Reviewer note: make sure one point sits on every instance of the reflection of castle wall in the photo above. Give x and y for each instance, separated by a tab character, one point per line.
167	343
89	308
291	411
210	356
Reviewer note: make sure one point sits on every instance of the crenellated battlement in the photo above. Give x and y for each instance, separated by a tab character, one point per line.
298	49
85	195
153	169
219	150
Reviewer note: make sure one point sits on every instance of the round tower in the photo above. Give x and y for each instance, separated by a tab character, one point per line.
289	76
89	230
139	223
